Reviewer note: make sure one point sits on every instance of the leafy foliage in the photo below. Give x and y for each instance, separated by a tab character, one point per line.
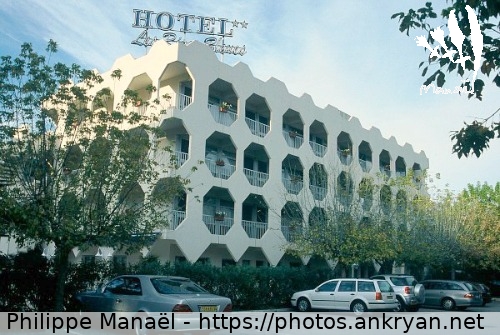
79	169
474	137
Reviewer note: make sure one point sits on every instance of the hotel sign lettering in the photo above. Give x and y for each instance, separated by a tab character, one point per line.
175	28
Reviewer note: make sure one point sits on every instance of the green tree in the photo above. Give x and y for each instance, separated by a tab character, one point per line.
480	205
80	169
347	226
474	137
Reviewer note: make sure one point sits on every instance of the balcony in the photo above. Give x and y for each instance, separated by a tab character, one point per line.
225	117
400	173
218	225
183	101
386	170
254	229
290	229
366	166
345	156
318	192
318	149
220	169
165	159
257	128
293	185
181	157
256	178
293	139
176	218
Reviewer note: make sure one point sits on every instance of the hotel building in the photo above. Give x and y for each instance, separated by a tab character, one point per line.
260	152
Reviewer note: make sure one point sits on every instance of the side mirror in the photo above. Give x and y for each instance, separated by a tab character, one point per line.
100	288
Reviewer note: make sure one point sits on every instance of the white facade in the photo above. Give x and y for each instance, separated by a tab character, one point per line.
259	153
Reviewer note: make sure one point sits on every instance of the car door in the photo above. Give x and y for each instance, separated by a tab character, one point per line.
324	295
345	293
433	293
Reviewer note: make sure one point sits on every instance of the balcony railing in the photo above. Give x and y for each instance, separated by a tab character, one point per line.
181	157
345	157
141	110
225	118
257	128
293	185
6	175
385	171
366	166
254	229
164	158
220	171
293	139
183	101
286	232
400	173
318	192
176	217
256	178
318	149
218	227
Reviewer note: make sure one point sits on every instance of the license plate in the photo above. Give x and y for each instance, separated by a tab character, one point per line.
389	297
208	308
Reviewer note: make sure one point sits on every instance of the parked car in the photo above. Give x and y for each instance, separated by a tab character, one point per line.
356	295
410	294
494	286
144	293
451	294
485	292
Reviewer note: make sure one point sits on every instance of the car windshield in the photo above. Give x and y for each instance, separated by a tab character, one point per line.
176	286
403	281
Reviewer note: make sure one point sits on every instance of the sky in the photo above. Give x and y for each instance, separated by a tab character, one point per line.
348	54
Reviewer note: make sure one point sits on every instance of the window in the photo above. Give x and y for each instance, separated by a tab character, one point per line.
384	286
260	263
125	286
367	286
228	262
347	286
176	286
454	287
120	260
88	259
328	287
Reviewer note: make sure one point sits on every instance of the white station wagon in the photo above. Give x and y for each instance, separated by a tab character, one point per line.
355	295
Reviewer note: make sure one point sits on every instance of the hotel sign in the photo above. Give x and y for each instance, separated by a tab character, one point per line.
175	28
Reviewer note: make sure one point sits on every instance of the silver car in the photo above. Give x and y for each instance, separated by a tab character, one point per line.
409	293
355	295
451	294
144	293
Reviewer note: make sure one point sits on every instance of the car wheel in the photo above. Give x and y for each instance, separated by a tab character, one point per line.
358	307
303	305
448	304
401	307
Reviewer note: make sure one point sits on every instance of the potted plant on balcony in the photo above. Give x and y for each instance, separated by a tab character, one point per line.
219	216
292	133
219	162
224	106
346	151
